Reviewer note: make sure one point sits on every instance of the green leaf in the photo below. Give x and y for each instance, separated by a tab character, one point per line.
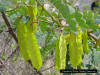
23	10
93	26
54	14
72	23
14	1
71	9
43	26
97	49
85	14
65	9
48	48
3	57
91	14
15	58
2	9
78	15
31	2
23	1
82	23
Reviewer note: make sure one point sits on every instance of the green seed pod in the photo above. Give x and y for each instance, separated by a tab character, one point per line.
67	36
85	42
29	48
21	35
27	41
34	51
75	48
32	12
60	52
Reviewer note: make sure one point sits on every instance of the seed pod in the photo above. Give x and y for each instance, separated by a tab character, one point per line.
75	48
85	42
27	41
29	48
60	52
79	41
67	36
32	12
34	51
21	35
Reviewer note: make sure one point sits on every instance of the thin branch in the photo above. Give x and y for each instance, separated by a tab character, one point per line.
9	26
13	9
90	33
48	68
54	19
45	21
93	36
39	72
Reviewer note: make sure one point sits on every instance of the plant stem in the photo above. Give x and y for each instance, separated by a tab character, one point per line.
9	26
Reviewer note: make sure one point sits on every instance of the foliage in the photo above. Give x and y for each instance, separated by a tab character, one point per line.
74	17
35	24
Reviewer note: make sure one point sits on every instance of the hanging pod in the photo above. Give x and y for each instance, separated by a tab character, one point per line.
60	52
85	42
67	37
32	23
34	51
27	41
28	45
79	41
75	48
22	38
29	48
